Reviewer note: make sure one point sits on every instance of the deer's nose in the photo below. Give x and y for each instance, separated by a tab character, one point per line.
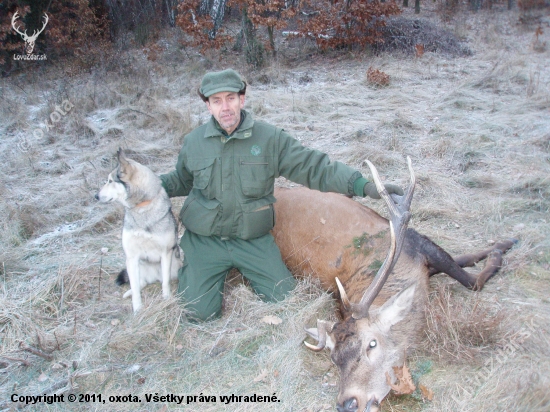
97	196
348	406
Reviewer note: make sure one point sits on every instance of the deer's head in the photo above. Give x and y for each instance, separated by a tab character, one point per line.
29	40
365	350
363	346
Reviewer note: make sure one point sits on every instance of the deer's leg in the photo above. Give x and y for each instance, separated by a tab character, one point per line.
493	263
440	261
471	259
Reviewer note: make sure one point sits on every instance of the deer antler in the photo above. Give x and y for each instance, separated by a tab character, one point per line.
46	19
323	327
29	40
399	219
15	28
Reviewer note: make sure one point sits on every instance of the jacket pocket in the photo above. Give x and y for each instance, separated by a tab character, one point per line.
258	219
199	215
203	176
257	176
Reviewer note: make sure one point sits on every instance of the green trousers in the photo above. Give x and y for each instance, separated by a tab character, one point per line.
208	259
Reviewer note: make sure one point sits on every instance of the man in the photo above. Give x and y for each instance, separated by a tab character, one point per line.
227	168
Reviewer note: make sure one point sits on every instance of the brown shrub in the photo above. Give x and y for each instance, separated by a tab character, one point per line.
377	77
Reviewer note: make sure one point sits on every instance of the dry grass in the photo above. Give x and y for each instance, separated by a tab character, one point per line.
476	128
461	328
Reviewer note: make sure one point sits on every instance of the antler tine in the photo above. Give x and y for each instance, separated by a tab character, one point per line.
410	190
46	19
14	17
399	219
35	33
322	332
343	295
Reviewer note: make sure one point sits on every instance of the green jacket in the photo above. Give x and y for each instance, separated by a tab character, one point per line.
229	180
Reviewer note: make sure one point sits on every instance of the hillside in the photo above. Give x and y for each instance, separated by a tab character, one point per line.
476	126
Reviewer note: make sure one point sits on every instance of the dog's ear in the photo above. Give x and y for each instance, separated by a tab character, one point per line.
124	166
121	156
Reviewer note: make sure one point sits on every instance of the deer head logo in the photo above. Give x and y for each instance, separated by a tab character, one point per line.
29	40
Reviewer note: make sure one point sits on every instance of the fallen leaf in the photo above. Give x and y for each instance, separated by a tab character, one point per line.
115	322
104	250
272	320
323	221
179	347
404	384
141	381
261	376
43	377
427	393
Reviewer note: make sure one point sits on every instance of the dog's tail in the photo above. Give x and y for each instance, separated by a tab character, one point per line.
122	277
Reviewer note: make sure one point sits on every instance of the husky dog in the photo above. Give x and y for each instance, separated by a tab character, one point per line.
149	232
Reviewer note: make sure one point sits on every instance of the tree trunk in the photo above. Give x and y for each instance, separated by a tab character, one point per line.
204	7
270	30
405	3
217	13
416	6
171	12
254	50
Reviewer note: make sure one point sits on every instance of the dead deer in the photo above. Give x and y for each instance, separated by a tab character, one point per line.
342	243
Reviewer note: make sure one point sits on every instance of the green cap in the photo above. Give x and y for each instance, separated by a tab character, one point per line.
225	81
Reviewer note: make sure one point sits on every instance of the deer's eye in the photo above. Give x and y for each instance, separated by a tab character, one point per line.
372	344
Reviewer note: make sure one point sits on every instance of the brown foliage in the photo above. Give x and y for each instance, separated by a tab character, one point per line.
199	28
273	14
377	77
419	50
404	384
334	24
527	5
269	13
73	26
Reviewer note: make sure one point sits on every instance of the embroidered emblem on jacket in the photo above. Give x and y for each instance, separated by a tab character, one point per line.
255	150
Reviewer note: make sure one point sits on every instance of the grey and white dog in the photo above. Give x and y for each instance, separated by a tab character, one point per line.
149	232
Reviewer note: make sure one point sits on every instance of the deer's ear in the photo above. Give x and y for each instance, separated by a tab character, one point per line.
396	308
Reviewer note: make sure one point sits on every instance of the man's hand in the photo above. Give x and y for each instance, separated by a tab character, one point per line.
370	190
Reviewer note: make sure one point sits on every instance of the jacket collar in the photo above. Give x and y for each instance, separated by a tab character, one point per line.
213	129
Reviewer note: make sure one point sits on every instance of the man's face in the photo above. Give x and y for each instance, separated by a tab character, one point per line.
226	109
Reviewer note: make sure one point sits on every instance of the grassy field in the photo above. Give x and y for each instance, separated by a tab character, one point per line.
477	128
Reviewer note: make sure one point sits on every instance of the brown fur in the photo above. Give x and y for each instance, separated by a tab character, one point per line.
327	235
